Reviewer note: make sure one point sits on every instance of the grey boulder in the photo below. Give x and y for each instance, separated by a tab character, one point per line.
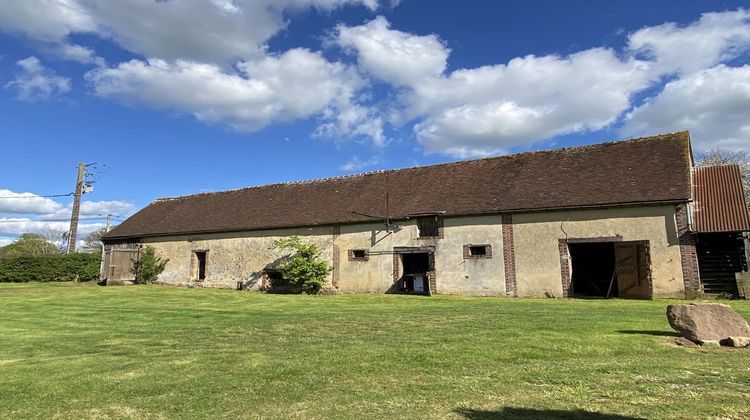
707	321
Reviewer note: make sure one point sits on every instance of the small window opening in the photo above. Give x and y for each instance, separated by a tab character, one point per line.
358	255
428	226
201	257
478	250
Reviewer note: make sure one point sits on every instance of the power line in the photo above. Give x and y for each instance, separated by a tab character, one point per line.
40	196
83	217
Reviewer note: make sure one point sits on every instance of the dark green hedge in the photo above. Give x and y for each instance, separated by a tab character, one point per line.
80	266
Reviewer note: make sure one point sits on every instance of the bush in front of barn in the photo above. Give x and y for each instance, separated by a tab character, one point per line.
46	268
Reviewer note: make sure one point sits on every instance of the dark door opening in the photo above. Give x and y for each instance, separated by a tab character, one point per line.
414	269
720	257
201	269
593	269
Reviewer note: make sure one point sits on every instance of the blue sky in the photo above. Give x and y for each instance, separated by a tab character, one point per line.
178	97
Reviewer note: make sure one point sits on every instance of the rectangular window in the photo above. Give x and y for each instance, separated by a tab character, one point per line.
477	251
429	226
358	255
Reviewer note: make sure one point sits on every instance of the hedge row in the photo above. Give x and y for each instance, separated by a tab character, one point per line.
69	267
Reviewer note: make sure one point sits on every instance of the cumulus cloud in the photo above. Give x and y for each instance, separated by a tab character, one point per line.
219	30
26	203
296	84
35	82
714	104
220	71
91	208
491	109
217	68
394	56
475	112
485	110
50	23
29	213
356	164
712	39
10	226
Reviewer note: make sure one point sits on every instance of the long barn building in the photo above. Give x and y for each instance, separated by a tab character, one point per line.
620	219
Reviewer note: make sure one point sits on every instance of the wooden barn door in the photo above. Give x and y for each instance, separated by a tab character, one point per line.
122	264
633	266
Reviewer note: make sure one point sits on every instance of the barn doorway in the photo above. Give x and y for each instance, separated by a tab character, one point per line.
414	271
593	269
610	269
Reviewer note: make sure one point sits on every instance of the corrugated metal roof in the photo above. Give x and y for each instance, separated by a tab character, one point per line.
719	200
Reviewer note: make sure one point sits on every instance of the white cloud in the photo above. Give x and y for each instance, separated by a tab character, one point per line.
487	110
26	203
217	31
219	70
296	84
49	215
712	39
394	56
475	112
714	104
223	48
92	208
35	82
355	163
49	23
6	241
18	226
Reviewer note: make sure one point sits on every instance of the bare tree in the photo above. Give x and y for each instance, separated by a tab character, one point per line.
93	241
55	236
717	156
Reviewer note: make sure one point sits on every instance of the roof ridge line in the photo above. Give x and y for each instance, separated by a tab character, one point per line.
459	162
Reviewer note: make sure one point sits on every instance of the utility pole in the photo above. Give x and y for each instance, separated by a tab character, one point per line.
109	220
73	232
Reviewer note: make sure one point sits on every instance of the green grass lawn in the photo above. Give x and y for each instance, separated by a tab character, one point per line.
73	351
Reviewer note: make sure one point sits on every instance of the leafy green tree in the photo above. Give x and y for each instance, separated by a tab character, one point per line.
149	266
302	268
31	245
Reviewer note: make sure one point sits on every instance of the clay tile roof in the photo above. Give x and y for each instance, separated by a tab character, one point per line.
645	170
719	200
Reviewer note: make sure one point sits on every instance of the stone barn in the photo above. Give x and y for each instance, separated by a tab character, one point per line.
610	220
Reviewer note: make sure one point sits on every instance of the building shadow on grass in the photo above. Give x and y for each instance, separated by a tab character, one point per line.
533	413
651	332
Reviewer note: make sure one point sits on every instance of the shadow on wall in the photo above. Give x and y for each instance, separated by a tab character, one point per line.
256	278
533	413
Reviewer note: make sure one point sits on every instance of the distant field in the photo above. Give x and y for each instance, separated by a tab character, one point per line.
73	351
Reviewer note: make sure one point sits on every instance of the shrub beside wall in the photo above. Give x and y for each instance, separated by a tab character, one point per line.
69	267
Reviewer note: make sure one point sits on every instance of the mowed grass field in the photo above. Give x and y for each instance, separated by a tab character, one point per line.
80	351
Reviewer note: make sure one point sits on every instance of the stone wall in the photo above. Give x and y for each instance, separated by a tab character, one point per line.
537	245
531	262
